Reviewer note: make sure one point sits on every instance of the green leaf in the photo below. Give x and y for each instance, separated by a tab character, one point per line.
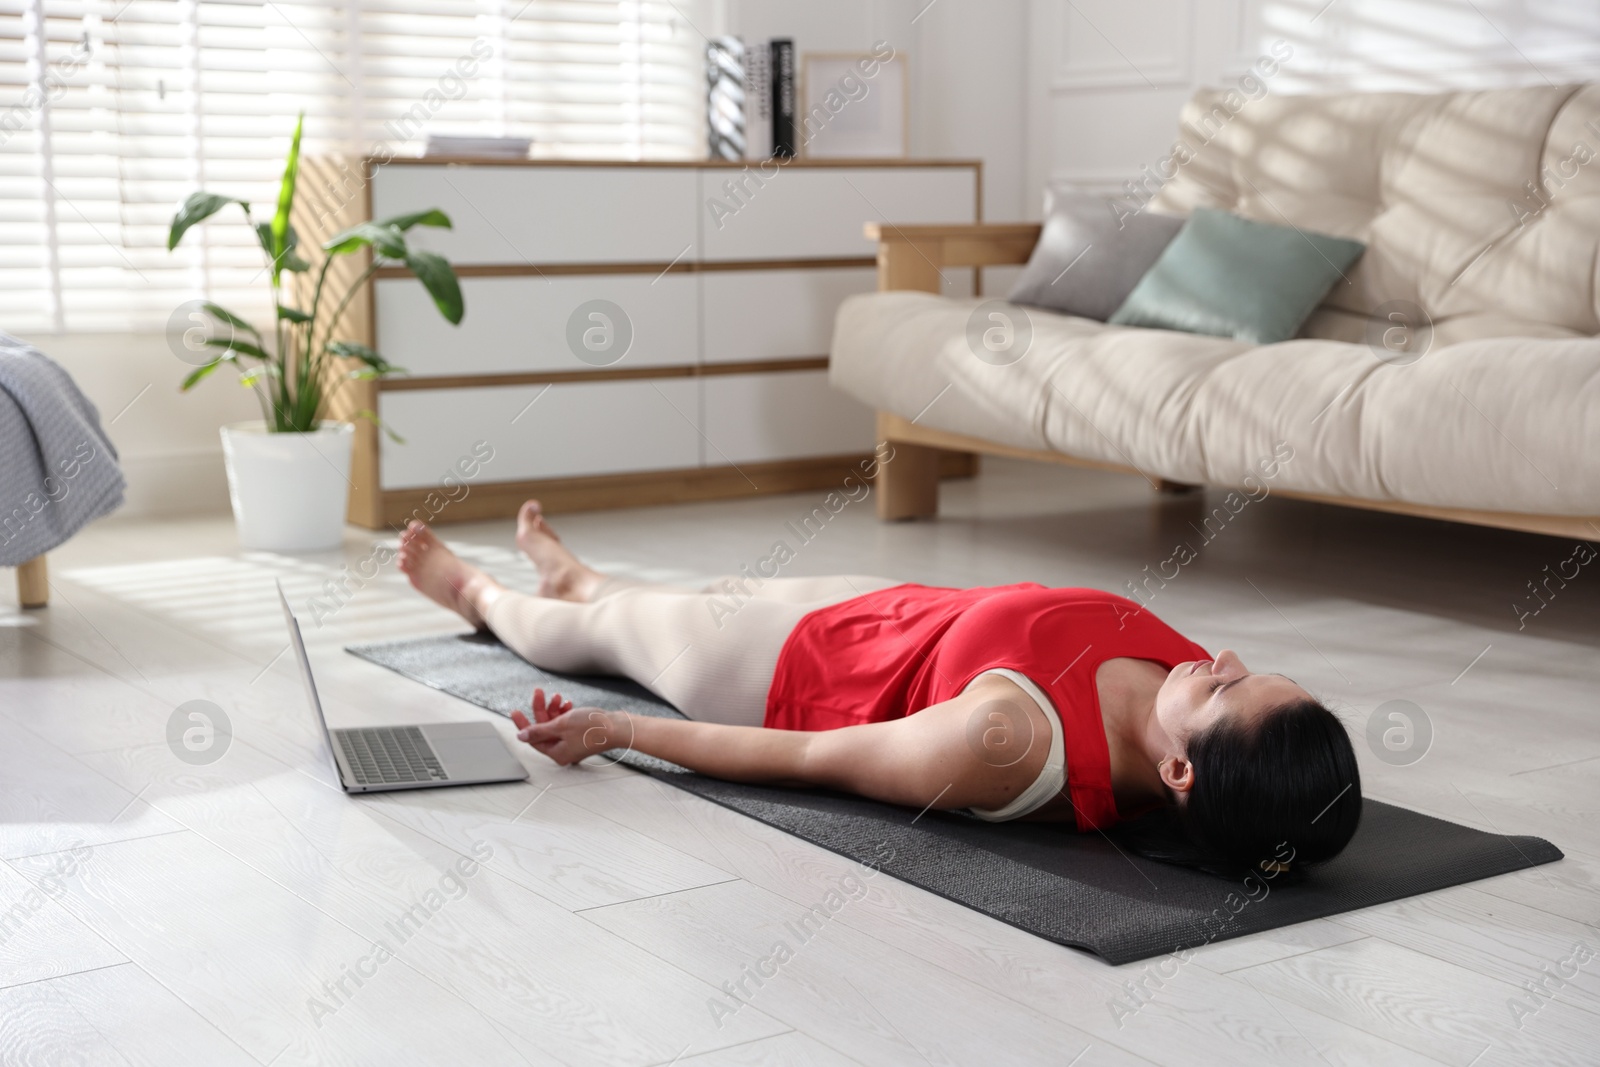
431	217
366	355
439	278
217	311
251	377
386	240
280	218
234	344
196	209
289	258
199	373
372	417
292	314
356	351
376	365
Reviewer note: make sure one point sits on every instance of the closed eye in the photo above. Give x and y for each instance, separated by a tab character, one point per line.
1217	687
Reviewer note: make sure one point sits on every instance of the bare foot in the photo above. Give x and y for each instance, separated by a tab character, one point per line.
562	576
440	575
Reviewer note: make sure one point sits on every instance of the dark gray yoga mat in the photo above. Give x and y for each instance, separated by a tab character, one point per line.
1070	888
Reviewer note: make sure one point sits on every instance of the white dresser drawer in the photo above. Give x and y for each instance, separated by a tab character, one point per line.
815	212
522	324
783	415
546	214
575	428
774	314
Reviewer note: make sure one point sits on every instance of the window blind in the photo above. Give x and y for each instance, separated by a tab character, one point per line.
112	111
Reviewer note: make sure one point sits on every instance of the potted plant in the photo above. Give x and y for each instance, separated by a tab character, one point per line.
288	474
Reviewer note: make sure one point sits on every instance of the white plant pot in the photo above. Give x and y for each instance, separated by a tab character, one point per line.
288	489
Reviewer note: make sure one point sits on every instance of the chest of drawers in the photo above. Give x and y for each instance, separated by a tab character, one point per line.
635	333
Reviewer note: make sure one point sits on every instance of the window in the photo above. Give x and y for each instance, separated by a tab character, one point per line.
112	111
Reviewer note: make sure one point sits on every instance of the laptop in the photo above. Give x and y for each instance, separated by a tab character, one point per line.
376	759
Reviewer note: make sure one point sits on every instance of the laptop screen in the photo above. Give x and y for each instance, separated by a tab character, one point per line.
299	647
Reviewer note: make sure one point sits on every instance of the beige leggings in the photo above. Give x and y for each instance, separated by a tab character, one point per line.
710	653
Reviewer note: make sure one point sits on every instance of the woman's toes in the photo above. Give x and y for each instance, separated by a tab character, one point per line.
414	537
529	517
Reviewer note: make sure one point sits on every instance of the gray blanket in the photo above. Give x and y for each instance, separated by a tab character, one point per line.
58	469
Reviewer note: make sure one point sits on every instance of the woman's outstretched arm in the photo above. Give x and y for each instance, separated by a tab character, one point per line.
735	753
979	749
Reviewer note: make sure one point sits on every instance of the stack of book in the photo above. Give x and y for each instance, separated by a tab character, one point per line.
758	123
449	144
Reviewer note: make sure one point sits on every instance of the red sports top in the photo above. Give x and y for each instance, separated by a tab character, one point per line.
893	652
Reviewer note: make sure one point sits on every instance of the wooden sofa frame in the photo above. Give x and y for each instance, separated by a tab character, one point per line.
913	257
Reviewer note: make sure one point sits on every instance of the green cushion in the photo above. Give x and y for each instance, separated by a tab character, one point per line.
1232	277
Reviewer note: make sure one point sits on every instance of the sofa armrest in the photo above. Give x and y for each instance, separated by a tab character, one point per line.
911	257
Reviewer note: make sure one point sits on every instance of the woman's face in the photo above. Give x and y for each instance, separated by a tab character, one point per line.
1199	693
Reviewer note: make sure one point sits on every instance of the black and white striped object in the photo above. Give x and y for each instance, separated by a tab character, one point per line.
725	58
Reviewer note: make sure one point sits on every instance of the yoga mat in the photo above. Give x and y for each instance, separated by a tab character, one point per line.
1074	889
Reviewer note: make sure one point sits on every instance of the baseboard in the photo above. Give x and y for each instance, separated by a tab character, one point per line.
175	483
500	500
194	482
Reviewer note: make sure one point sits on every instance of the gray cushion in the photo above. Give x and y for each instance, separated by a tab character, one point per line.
1232	277
1090	255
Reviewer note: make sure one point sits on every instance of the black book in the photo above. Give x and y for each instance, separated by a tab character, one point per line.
782	77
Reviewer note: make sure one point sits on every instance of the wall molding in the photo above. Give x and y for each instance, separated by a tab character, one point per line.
1173	70
1104	181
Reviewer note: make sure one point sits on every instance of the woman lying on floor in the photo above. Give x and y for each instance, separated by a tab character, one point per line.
1070	705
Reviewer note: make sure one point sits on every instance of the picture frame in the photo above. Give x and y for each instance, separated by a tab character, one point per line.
853	105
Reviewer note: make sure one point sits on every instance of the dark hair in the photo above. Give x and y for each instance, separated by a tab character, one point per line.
1274	796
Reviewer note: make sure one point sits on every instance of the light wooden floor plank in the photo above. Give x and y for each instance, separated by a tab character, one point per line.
112	1017
1569	889
1495	937
824	981
793	1049
52	801
482	938
72	703
1435	1008
264	965
38	938
1189	1011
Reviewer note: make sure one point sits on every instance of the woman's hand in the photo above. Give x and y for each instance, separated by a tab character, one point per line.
567	734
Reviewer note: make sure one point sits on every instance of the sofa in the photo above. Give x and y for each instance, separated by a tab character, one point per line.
1481	216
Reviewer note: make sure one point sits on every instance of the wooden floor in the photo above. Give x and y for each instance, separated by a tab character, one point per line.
154	911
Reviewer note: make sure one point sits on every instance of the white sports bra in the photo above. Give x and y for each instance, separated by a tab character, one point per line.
1053	777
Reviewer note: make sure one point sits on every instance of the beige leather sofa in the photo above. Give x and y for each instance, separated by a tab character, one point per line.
1455	374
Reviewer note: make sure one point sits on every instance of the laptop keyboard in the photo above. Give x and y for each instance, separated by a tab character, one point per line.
390	755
